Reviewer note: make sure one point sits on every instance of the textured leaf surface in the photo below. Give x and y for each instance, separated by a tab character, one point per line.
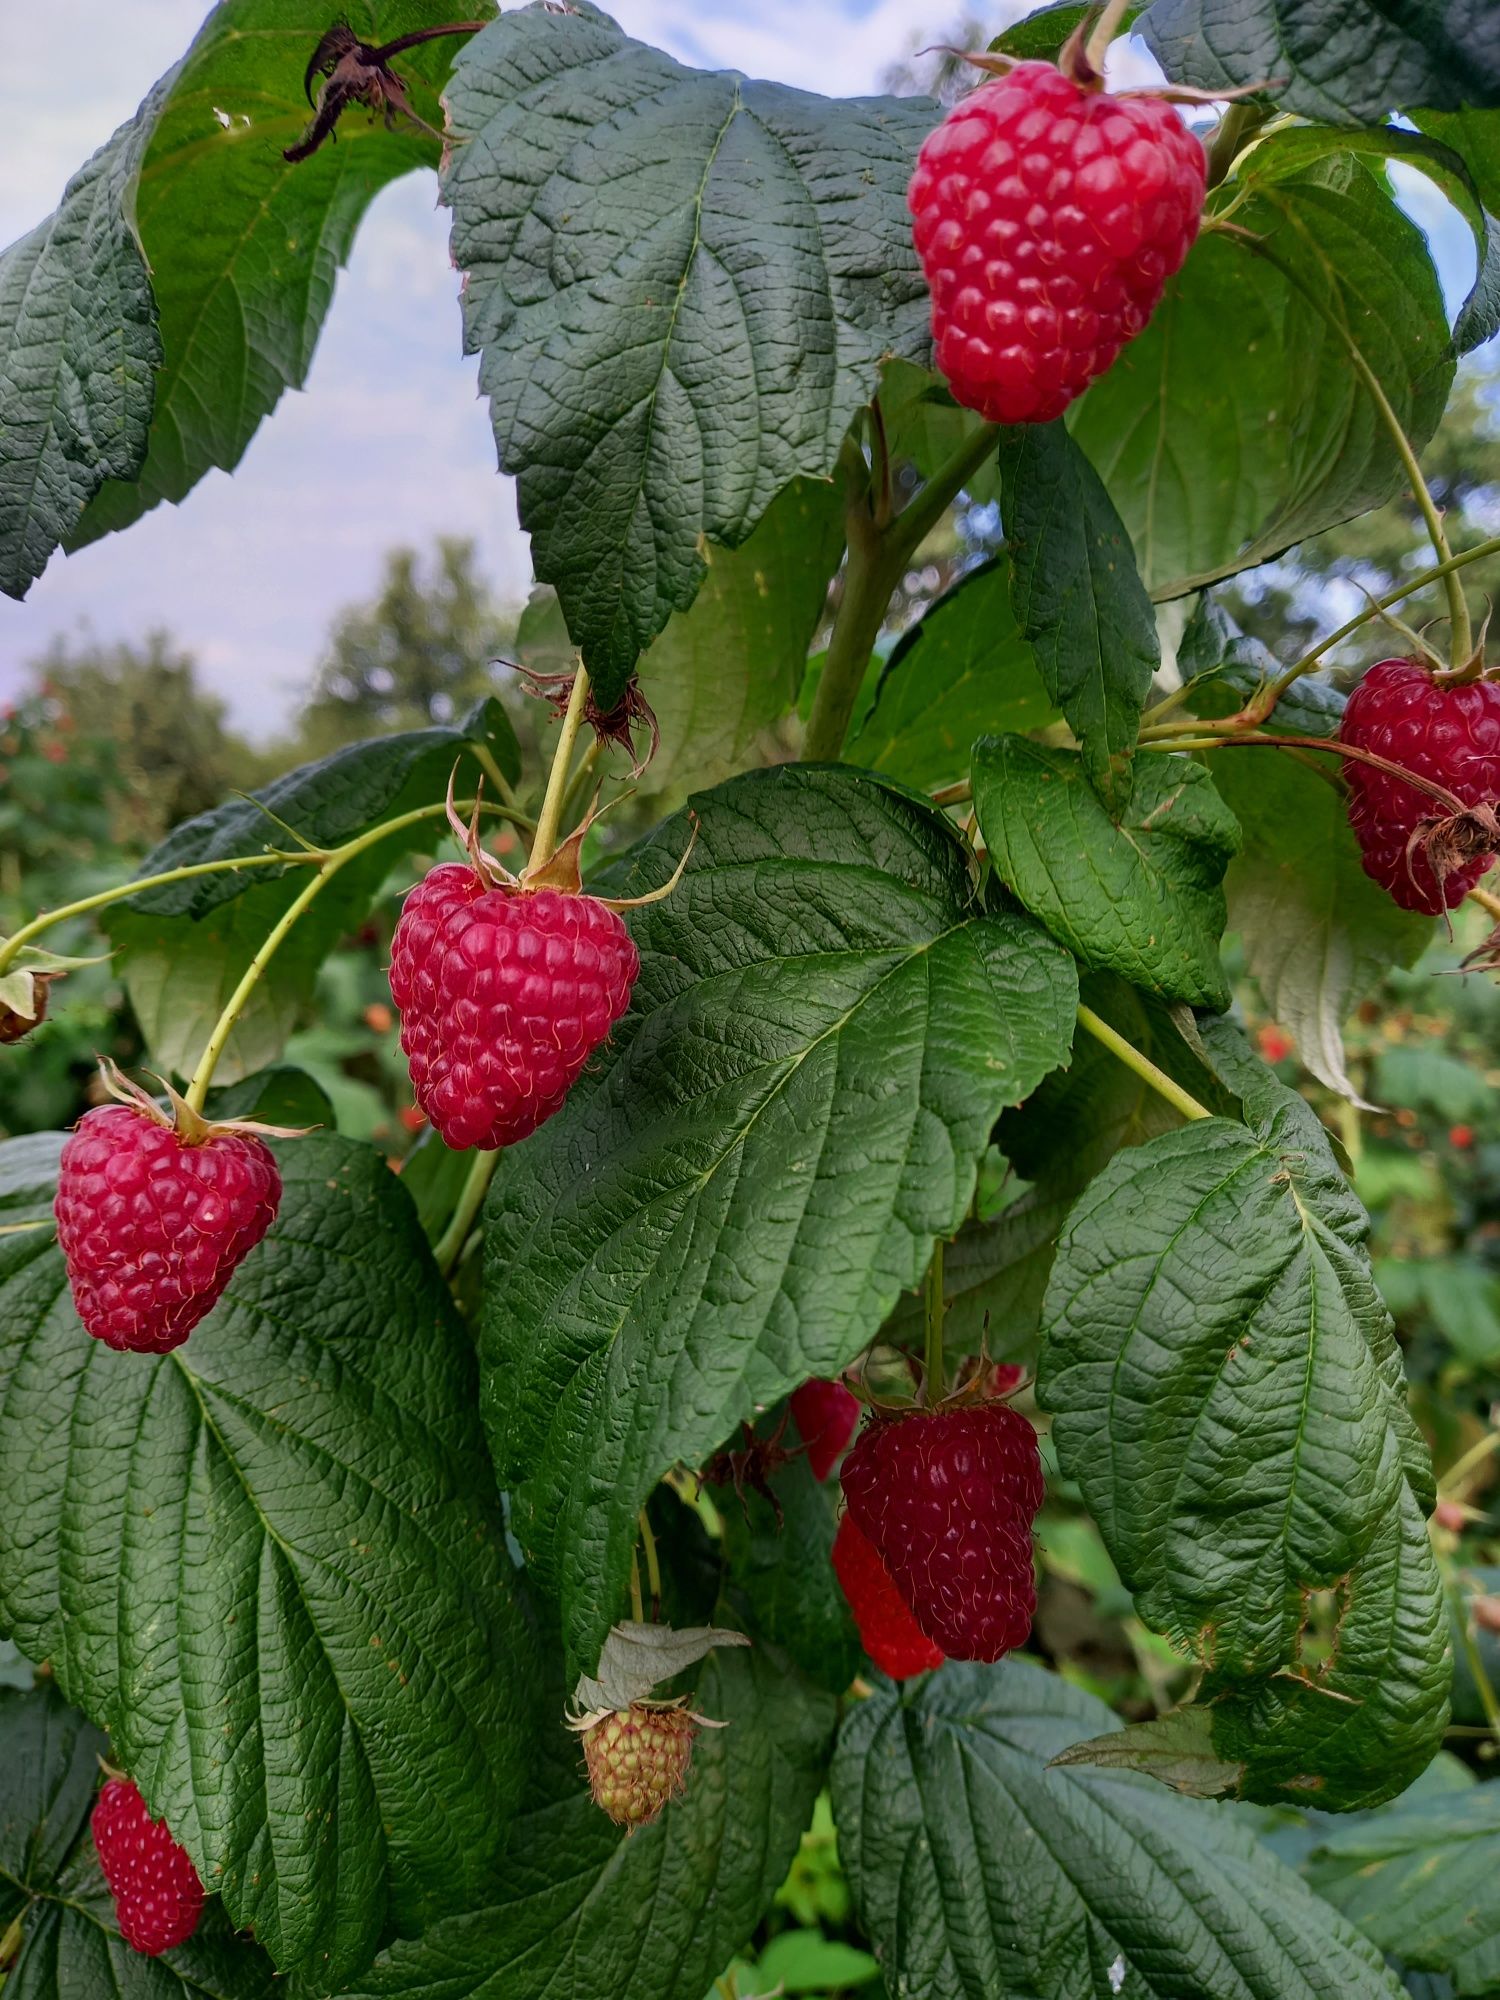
1225	667
636	235
70	1946
961	671
1076	593
78	344
1337	62
1423	1882
1219	453
1317	932
186	946
1140	894
978	1871
824	1031
1224	1380
650	1916
271	1564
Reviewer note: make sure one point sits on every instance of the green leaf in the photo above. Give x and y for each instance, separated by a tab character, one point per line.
825	1028
1140	894
272	1563
1225	668
186	947
1461	1296
1041	35
1335	62
961	670
636	235
1317	933
1423	1882
70	1944
655	1915
78	344
1076	592
1179	427
734	664
979	1869
1212	1288
280	1096
784	1567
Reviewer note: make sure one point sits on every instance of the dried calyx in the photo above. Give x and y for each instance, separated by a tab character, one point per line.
357	72
178	1116
617	725
559	870
25	986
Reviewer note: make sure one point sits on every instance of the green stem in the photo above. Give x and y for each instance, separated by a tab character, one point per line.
12	945
10	1943
637	1609
1237	125
549	820
653	1566
1143	1066
450	1245
1487	1698
933	1357
1452	1483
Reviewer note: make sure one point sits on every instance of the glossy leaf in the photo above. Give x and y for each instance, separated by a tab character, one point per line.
825	1028
1140	894
635	236
653	1915
981	1869
271	1564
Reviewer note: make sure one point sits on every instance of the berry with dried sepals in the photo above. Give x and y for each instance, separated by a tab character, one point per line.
888	1632
1448	733
948	1497
1048	216
157	1894
638	1759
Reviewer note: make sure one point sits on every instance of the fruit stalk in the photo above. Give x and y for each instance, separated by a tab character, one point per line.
450	1246
653	1564
549	820
933	1354
1180	1099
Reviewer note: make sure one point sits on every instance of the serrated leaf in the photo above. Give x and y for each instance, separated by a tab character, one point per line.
1041	35
271	1564
1139	893
1317	933
1423	1882
825	1028
962	670
1224	667
1076	592
1176	1749
979	1869
1225	1381
650	1916
1219	454
50	1881
1333	62
185	947
636	234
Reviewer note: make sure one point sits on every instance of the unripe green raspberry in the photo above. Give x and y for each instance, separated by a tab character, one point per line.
638	1759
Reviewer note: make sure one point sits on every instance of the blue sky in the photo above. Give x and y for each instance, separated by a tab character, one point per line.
249	571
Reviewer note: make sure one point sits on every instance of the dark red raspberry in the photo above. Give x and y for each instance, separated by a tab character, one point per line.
152	1226
888	1632
1048	220
826	1415
504	995
158	1897
948	1498
1447	734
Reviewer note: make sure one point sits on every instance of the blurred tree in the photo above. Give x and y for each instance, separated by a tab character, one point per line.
934	65
418	653
138	725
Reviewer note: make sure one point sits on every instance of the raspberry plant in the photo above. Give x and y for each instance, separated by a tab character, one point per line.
869	1070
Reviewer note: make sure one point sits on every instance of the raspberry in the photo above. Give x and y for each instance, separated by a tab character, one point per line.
504	996
890	1635
158	1897
947	1497
152	1226
826	1415
1449	735
638	1759
1048	219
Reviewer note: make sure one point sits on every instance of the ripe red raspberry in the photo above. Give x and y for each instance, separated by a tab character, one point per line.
638	1759
890	1635
1048	219
152	1226
158	1897
826	1416
1449	735
948	1497
504	996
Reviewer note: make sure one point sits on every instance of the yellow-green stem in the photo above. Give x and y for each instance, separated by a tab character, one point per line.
1180	1099
1452	1483
10	1943
1486	902
936	1366
1482	1682
653	1566
450	1245
637	1609
549	819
